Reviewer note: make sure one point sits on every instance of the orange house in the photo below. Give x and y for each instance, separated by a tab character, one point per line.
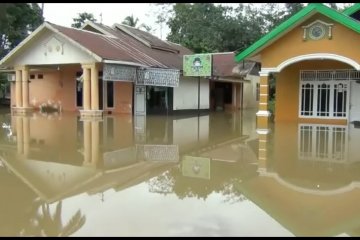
100	69
315	58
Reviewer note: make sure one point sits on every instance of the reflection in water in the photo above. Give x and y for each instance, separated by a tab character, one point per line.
208	175
323	142
46	224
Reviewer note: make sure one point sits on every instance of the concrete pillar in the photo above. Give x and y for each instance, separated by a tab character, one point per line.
87	142
263	114
234	96
238	96
26	132
18	87
19	135
94	87
263	150
86	88
95	143
25	87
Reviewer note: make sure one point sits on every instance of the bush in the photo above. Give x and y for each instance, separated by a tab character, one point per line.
272	106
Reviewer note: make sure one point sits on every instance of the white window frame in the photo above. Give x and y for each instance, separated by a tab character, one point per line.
316	83
330	154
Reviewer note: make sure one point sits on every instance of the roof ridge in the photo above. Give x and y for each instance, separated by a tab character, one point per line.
295	19
82	30
352	9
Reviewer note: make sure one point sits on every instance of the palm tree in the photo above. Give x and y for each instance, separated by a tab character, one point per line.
147	28
45	224
82	18
130	21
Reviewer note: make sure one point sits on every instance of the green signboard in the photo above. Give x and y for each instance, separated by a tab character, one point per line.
197	65
197	167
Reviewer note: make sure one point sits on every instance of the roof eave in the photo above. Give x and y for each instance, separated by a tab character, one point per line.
97	57
352	9
93	25
22	43
275	33
291	23
34	33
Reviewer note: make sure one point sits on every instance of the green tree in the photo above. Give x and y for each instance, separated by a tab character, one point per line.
162	13
82	18
292	8
196	26
17	21
333	5
47	224
130	21
146	27
206	27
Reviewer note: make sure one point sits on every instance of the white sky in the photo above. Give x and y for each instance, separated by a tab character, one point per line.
63	13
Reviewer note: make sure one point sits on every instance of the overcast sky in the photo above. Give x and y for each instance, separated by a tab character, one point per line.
63	13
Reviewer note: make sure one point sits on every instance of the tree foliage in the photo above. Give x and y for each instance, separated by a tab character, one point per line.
82	18
130	21
17	20
208	27
146	28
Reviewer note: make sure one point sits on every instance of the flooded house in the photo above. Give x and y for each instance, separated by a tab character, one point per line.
100	69
233	85
315	61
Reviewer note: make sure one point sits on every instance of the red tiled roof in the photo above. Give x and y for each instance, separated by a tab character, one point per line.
152	40
224	65
123	48
168	58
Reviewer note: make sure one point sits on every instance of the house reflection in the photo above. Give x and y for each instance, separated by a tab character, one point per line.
57	156
60	155
305	176
309	180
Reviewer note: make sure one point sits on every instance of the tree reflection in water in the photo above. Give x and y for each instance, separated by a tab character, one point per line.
46	224
225	179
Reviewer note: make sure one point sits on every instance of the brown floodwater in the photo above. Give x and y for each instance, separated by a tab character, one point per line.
177	176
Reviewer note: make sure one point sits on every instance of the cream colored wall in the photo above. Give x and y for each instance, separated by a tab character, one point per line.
287	88
292	44
12	94
50	48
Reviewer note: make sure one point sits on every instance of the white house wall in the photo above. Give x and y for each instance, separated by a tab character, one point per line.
186	94
55	177
196	131
50	48
249	97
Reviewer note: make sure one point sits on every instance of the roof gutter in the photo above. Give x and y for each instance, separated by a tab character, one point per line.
125	63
